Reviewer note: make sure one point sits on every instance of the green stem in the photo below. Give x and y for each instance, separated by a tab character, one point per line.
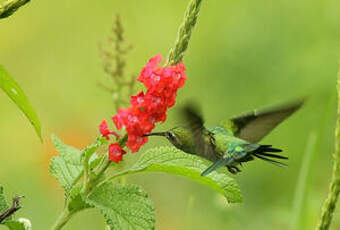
10	6
87	154
94	182
334	187
102	169
89	184
63	218
184	33
119	174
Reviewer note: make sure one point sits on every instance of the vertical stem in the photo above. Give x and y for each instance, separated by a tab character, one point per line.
184	33
334	187
63	218
89	185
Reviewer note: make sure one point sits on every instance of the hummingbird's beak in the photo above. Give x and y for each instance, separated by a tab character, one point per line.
164	134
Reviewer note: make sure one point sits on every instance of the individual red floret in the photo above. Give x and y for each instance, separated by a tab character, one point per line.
116	152
104	130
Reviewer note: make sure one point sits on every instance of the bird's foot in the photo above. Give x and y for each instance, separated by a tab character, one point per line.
233	169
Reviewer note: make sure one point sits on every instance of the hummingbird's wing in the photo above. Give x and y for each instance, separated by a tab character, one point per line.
202	137
254	126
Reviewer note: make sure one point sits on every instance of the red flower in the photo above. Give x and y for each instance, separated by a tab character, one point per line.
116	152
148	108
104	130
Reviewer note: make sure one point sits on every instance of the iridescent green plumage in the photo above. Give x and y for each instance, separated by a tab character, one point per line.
232	142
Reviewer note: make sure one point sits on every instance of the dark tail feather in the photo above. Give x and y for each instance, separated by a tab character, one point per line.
273	150
272	155
264	152
270	160
268	148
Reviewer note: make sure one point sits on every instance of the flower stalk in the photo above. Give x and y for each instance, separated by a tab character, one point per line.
173	68
334	187
63	218
114	62
176	53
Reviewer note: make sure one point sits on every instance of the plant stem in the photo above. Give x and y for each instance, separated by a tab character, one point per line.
63	218
334	187
184	33
10	6
119	174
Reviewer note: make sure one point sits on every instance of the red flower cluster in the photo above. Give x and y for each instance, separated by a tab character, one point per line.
146	109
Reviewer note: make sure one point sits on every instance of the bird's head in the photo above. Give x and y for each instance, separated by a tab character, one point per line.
178	136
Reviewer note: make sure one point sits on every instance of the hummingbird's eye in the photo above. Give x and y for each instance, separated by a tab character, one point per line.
171	135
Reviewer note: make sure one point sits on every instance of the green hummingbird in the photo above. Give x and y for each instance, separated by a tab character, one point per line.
233	141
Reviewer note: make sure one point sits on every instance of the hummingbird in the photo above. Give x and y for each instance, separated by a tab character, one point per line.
232	142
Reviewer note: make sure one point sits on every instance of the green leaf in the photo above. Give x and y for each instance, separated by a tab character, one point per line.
77	202
90	151
124	206
172	160
94	161
89	156
66	167
3	203
14	91
71	154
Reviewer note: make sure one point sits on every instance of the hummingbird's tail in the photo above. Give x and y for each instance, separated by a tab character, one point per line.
265	152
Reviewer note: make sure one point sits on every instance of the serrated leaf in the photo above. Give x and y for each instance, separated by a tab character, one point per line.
90	151
172	160
67	166
124	206
14	91
64	172
77	202
94	161
71	154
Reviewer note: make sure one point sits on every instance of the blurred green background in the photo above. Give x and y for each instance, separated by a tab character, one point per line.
243	55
